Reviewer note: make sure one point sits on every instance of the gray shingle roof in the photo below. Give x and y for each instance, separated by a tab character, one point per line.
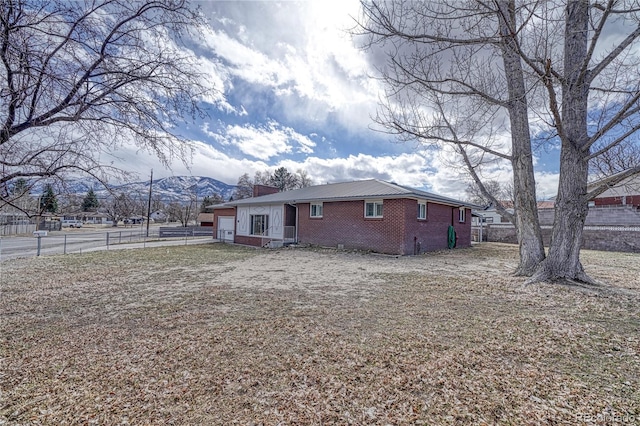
344	191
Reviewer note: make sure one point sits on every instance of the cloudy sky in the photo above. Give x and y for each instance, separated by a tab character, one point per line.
295	91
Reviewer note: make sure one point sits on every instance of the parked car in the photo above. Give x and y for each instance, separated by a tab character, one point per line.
69	223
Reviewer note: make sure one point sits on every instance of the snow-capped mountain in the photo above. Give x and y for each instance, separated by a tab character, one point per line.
169	189
180	188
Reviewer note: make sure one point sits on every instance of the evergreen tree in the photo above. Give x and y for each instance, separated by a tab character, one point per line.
283	179
90	202
209	201
20	188
48	202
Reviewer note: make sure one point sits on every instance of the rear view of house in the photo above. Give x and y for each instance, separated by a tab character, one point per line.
367	215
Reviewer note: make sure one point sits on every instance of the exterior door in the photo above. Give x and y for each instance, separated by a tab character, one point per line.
226	228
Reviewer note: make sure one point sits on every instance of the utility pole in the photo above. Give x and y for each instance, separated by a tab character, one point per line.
149	203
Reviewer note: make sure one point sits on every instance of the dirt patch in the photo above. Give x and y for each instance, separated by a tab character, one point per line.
219	334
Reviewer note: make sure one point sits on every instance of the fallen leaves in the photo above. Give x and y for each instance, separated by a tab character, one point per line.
205	335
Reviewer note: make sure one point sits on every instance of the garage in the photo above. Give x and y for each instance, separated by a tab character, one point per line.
226	228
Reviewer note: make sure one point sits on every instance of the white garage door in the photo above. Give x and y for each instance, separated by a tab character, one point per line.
226	228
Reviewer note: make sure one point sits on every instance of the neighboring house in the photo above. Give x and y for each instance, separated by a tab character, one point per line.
368	215
626	193
617	206
490	215
95	218
159	216
135	220
205	219
612	222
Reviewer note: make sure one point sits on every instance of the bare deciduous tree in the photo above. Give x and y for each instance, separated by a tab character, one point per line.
79	79
304	180
281	178
446	87
494	187
182	212
449	64
244	187
119	207
616	160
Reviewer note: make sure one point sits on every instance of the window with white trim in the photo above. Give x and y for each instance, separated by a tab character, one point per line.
315	210
422	209
373	209
461	212
259	224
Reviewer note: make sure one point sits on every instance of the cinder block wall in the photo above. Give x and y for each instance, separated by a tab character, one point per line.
621	239
600	216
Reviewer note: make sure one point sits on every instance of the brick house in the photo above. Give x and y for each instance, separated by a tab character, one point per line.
368	215
625	193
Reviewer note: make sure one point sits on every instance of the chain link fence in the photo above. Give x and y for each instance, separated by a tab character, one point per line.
48	243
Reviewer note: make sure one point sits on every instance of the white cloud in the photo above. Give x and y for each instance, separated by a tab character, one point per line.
303	53
546	185
249	64
418	170
205	161
269	141
406	169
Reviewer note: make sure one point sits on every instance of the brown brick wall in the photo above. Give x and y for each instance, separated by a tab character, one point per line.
249	241
432	234
463	230
630	200
343	222
259	190
398	232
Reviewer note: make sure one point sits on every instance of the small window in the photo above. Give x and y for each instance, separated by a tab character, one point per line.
316	210
461	214
373	209
422	210
259	224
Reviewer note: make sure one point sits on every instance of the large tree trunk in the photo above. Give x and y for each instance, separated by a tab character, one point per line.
563	262
571	210
527	224
526	211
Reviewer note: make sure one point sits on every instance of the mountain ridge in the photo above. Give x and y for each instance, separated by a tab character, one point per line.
168	189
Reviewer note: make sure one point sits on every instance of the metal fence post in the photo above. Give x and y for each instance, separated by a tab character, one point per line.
39	243
65	244
107	241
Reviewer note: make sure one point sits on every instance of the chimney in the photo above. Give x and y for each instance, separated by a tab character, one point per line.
259	190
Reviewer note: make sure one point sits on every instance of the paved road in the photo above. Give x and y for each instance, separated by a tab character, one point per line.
81	240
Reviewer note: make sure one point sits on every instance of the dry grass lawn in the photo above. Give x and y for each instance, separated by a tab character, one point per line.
223	335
